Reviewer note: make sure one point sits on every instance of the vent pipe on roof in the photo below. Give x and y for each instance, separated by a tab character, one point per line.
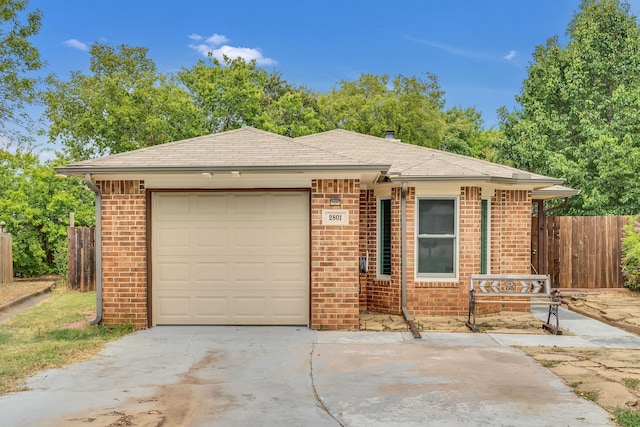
389	134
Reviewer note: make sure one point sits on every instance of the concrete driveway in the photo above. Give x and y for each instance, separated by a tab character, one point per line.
287	376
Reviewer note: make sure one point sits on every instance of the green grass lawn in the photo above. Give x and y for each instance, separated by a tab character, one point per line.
627	417
54	333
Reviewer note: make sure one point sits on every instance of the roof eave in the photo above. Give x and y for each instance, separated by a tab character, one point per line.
535	182
543	194
83	170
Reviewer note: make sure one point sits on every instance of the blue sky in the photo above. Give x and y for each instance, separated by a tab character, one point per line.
479	50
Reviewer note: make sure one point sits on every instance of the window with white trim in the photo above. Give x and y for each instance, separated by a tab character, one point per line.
437	238
384	237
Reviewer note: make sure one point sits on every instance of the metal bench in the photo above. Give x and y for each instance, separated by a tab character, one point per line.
514	290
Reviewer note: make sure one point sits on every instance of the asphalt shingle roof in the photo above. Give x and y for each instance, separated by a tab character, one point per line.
251	148
245	147
410	160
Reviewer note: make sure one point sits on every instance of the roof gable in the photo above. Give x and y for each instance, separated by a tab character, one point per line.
246	147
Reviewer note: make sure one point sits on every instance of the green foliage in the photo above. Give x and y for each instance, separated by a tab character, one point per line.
579	115
294	114
631	253
228	94
235	93
465	135
627	417
124	104
36	204
18	58
411	106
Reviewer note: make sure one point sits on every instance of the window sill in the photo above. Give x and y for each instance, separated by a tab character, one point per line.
437	283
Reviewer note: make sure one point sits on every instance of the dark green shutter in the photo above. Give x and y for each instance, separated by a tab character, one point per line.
483	236
385	237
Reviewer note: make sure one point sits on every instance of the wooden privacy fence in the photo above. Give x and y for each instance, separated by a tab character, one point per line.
81	258
581	251
6	256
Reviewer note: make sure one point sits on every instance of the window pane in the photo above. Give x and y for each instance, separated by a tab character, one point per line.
435	255
385	237
437	216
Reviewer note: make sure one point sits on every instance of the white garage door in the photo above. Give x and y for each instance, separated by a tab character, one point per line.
230	258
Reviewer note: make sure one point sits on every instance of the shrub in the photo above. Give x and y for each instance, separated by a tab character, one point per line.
631	253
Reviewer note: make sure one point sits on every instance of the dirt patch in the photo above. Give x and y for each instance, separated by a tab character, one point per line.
609	377
12	292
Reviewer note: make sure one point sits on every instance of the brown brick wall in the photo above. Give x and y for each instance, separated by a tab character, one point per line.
334	256
446	297
124	257
338	291
510	250
511	232
368	208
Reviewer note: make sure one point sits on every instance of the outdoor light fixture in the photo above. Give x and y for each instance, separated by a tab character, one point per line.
235	174
394	175
207	174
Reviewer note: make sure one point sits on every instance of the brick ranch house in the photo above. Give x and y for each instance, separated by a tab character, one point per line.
249	227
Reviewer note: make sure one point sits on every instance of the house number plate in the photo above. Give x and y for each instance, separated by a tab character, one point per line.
335	217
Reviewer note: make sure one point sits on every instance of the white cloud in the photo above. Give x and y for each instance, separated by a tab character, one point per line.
512	54
76	44
216	40
215	47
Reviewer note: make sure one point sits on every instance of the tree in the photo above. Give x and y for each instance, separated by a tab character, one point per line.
295	113
123	105
234	93
17	59
229	94
579	115
35	204
466	135
411	106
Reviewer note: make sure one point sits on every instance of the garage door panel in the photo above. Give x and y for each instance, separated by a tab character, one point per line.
211	237
174	272
249	203
242	308
170	238
211	273
248	237
208	204
246	273
172	206
288	307
230	258
175	307
250	306
212	308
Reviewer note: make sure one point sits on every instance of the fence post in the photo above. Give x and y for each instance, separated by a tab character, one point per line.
6	255
71	253
81	257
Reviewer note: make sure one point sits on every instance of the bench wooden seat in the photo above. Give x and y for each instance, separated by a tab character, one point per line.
514	290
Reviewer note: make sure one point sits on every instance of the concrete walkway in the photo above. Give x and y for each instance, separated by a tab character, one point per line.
287	376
